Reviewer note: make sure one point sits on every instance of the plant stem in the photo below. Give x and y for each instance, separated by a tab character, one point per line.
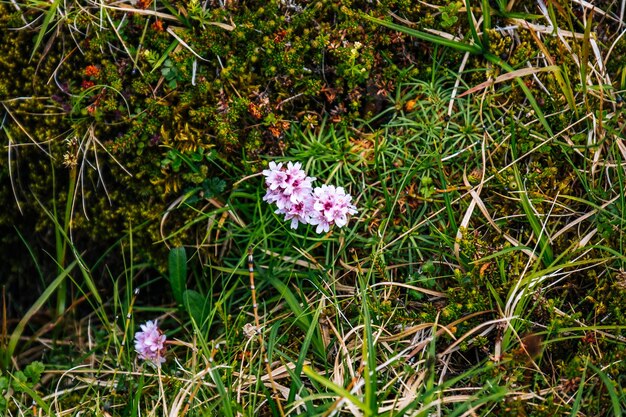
61	241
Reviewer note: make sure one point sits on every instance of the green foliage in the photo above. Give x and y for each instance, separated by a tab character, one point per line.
21	382
29	377
486	259
4	388
178	272
172	74
449	14
198	307
213	91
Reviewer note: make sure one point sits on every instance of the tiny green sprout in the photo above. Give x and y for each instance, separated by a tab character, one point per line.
426	187
415	295
475	176
171	73
449	14
428	267
457	274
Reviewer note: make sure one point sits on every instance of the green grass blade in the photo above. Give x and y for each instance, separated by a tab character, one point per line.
342	392
495	295
227	407
501	253
302	318
136	399
292	301
175	12
43	298
473	49
50	14
494	398
430	387
470	22
87	278
486	23
545	253
535	223
552	16
306	343
584	58
459	46
618	406
163	57
198	307
34	395
369	355
32	254
563	80
579	394
529	95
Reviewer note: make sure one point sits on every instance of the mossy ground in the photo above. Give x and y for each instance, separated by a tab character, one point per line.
484	272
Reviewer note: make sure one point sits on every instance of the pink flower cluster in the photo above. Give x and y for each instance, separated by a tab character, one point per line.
150	343
292	191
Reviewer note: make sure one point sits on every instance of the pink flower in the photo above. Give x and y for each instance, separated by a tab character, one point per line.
299	212
332	206
296	181
292	191
318	219
300	189
150	343
275	175
278	197
287	185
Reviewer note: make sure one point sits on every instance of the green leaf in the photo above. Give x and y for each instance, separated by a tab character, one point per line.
197	156
213	187
20	386
178	272
4	384
163	57
34	370
197	305
20	377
